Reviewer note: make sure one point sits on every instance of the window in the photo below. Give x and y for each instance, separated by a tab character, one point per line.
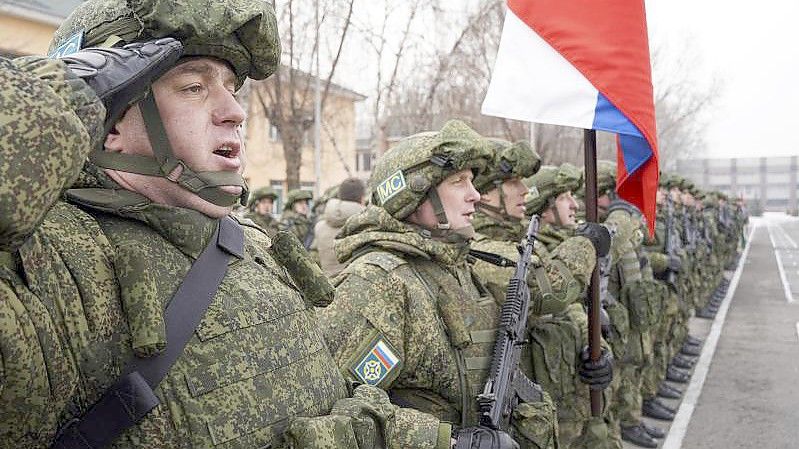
274	134
363	160
277	207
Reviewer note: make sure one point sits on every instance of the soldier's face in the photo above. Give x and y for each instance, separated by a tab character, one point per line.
458	196
513	191
661	196
566	209
301	207
203	122
687	198
264	206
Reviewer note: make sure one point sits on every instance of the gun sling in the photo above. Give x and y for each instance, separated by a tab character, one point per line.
131	398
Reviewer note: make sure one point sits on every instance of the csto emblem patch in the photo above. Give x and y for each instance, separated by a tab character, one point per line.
393	185
71	45
377	362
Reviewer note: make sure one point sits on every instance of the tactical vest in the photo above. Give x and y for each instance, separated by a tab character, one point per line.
256	359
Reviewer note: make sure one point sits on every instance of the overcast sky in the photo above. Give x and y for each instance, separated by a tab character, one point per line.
753	48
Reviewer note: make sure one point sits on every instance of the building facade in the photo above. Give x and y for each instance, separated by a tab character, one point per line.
770	183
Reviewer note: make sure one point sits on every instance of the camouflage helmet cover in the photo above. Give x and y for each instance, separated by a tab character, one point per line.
606	177
261	193
240	32
548	183
510	160
297	195
403	176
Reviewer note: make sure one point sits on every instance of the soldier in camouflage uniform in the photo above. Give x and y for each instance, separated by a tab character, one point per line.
499	225
260	206
410	314
85	277
296	215
559	339
634	299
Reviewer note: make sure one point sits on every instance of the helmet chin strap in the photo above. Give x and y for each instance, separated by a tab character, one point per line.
443	229
206	185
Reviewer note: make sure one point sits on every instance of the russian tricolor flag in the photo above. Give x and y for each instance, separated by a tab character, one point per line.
583	63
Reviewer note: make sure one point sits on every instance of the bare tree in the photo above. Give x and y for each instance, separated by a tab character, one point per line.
287	97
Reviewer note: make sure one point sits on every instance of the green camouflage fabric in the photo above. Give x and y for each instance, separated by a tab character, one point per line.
86	291
510	160
296	195
266	222
420	296
297	224
241	32
498	228
548	183
606	177
42	107
402	177
259	194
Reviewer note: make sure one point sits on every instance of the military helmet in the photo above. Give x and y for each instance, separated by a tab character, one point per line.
548	183
242	33
403	177
509	160
674	180
686	185
605	177
296	195
261	193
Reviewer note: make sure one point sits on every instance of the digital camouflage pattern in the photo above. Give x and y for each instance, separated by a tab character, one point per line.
400	182
421	295
42	107
548	183
243	33
265	221
297	224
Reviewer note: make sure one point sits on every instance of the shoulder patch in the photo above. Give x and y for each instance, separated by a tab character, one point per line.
391	186
378	362
384	260
533	192
71	45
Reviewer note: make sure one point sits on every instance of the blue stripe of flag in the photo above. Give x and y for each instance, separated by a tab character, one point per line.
635	148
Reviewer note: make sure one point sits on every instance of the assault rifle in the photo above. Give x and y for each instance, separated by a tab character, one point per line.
507	385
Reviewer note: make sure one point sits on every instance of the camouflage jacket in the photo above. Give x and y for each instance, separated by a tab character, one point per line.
300	225
85	289
497	228
266	222
411	317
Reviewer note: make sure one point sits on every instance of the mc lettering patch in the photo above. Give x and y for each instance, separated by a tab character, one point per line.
378	361
391	186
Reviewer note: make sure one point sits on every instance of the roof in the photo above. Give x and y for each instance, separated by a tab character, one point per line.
46	11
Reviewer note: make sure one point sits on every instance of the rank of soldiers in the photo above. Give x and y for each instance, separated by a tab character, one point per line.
137	310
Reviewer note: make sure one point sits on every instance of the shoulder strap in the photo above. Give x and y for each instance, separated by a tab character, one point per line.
130	399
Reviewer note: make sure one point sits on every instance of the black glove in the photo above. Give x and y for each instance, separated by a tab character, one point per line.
483	438
598	234
675	263
599	374
120	76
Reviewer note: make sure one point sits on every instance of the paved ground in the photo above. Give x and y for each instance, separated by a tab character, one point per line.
745	388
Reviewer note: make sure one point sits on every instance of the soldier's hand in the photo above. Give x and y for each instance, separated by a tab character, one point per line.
599	236
599	374
479	437
120	75
674	263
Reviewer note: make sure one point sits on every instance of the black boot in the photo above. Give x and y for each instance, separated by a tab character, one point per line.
682	362
654	409
706	314
690	339
638	436
692	350
669	392
675	375
654	432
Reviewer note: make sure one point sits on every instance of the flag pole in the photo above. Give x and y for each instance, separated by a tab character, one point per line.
594	330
